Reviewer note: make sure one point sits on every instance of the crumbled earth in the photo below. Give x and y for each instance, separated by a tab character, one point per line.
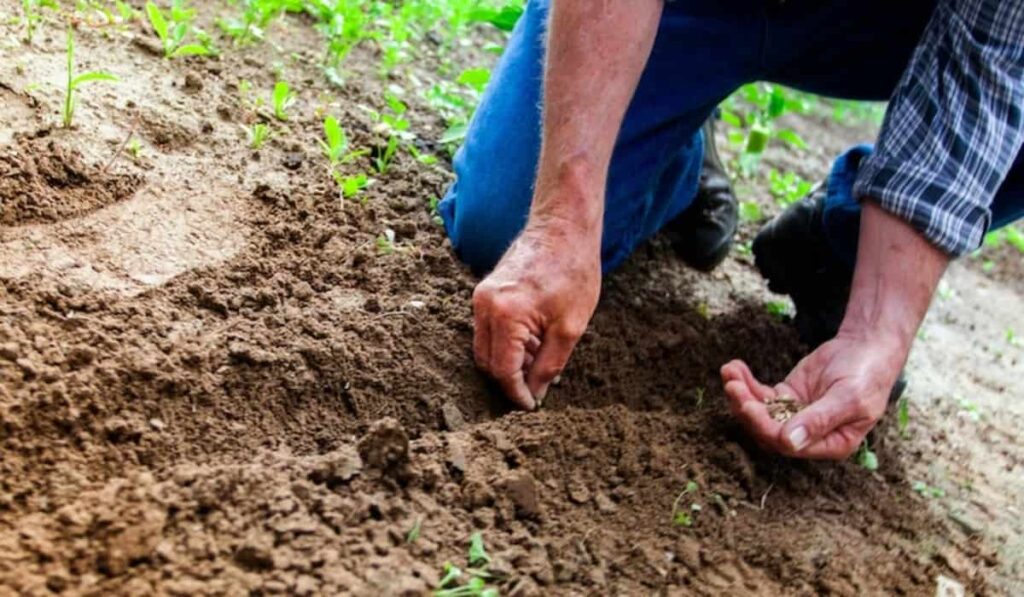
214	381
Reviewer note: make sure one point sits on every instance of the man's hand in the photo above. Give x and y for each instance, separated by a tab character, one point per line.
842	387
531	311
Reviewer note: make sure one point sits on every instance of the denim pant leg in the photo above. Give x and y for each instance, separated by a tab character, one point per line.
703	51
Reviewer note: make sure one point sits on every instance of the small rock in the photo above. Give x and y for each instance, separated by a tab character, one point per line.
521	487
10	351
605	505
456	458
193	83
385	447
947	587
452	417
293	160
157	424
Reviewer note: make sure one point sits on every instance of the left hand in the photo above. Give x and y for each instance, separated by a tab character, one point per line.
843	388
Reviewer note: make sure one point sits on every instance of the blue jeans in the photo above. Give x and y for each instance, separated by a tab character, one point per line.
704	50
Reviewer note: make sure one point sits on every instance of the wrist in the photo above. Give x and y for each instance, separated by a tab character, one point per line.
569	197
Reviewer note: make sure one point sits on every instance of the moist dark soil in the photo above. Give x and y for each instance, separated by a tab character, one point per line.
213	380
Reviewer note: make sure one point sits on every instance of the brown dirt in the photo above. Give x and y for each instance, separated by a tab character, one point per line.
212	381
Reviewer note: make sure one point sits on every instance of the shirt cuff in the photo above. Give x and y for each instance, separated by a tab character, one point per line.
924	201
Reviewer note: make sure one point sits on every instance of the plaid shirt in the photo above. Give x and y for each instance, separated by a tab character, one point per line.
954	124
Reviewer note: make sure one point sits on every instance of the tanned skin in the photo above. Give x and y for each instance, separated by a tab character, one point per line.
530	312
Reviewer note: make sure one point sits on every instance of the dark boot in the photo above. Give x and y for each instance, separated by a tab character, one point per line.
703	234
793	255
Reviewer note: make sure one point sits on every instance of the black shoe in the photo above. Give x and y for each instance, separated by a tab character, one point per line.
793	255
703	234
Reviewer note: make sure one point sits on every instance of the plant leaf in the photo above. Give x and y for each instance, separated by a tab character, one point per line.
156	19
477	553
190	50
454	133
92	76
790	136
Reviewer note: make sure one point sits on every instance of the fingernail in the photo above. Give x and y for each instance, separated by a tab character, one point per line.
798	438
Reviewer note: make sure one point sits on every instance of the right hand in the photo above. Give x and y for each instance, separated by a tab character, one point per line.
530	312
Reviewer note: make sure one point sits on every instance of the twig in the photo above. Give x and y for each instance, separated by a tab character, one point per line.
764	497
120	149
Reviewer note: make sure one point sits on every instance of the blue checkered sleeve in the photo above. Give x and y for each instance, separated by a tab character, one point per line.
954	124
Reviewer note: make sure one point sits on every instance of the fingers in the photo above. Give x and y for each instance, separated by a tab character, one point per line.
738	371
554	353
508	361
829	428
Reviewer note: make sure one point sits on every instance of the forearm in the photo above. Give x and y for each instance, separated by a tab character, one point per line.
596	51
896	275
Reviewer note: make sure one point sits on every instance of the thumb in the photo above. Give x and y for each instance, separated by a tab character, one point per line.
555	349
819	430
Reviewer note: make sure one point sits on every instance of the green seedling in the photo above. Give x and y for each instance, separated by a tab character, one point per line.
33	15
424	158
414	532
750	211
928	491
476	586
386	242
258	133
757	129
1011	337
282	98
351	185
435	217
969	409
778	309
787	188
683	517
174	28
477	554
476	78
75	81
134	148
382	162
903	415
867	459
256	17
704	310
335	144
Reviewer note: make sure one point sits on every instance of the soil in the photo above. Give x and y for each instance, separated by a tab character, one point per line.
214	381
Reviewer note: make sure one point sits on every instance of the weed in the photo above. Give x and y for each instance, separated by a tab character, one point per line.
928	491
351	185
476	586
903	415
769	102
174	28
383	161
683	517
477	78
750	211
33	15
434	216
1011	337
866	458
335	143
134	148
414	532
704	310
778	309
386	242
281	99
258	133
787	188
256	17
75	81
968	409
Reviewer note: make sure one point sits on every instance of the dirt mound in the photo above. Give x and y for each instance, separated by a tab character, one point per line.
583	500
43	181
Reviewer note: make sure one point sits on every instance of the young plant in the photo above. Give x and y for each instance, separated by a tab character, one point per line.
335	144
769	102
787	188
351	185
74	82
134	148
282	98
903	415
867	459
258	133
477	571
383	161
386	242
683	517
172	31
33	15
